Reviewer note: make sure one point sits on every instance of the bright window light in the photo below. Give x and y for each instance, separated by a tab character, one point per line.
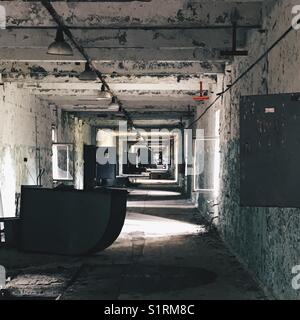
62	162
157	227
207	161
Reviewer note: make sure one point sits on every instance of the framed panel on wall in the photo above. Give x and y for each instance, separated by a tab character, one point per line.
63	161
270	150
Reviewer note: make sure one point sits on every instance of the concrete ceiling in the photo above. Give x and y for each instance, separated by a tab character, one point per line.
152	53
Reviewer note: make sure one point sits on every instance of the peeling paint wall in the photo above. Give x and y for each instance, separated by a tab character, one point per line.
25	125
266	239
25	128
76	131
210	126
132	13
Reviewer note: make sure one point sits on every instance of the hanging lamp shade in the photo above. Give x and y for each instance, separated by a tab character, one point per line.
88	74
60	46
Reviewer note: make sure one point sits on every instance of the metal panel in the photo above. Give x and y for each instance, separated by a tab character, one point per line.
270	150
70	222
89	167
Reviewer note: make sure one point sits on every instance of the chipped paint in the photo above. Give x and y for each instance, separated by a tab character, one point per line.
18	135
266	239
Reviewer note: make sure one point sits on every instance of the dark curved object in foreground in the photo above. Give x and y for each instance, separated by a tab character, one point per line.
70	222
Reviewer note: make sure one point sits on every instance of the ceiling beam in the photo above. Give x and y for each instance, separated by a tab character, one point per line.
125	95
62	71
97	39
167	115
98	14
122	84
116	54
114	123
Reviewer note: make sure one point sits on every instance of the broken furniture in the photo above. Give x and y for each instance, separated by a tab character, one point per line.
68	222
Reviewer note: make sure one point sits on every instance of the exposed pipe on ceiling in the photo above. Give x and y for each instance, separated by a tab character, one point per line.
136	27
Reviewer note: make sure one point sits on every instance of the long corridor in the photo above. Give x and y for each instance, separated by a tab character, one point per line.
165	251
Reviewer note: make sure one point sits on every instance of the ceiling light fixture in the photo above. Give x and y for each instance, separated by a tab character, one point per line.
88	74
60	46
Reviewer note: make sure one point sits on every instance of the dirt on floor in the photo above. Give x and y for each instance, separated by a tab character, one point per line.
165	251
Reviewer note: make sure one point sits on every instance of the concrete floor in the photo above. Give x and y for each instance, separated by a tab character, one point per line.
165	251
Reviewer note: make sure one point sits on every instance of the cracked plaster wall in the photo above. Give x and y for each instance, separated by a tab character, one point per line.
266	239
75	131
25	124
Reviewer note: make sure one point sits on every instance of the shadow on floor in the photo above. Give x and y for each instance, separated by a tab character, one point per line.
165	251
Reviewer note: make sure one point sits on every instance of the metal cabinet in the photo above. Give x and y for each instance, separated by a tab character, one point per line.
270	150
